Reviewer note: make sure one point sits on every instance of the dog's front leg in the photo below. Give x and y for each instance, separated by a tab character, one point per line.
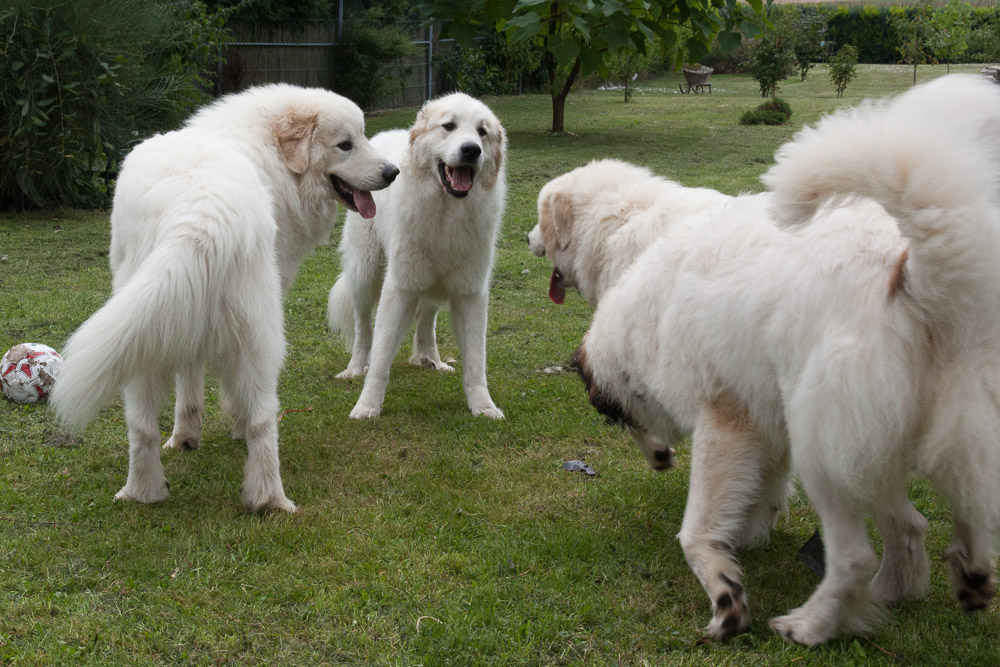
468	321
395	312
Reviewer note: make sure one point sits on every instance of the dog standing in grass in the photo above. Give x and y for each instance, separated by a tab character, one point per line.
208	229
852	349
431	244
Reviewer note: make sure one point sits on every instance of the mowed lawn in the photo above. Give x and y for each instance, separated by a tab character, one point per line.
426	536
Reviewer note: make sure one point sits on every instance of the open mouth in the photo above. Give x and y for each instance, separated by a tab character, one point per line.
557	291
457	181
360	201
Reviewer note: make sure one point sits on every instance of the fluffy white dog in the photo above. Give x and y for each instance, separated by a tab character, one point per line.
208	229
594	221
431	243
855	350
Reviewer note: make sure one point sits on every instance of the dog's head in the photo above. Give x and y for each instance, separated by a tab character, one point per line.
460	139
552	236
322	136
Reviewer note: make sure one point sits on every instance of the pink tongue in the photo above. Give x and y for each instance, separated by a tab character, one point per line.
365	204
556	290
461	178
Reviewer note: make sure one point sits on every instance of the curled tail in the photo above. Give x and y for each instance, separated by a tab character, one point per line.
340	309
931	158
151	324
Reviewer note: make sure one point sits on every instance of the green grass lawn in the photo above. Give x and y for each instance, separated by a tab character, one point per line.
425	536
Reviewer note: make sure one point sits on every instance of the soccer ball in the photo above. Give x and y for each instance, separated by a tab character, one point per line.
28	371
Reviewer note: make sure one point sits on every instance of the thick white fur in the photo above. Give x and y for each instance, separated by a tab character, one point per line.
858	349
208	228
595	220
423	249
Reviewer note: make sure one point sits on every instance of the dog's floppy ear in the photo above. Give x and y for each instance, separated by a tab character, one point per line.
294	133
419	125
498	148
558	212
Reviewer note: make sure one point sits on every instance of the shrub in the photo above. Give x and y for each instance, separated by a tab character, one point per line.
808	30
771	61
842	68
83	80
491	66
775	111
368	45
760	116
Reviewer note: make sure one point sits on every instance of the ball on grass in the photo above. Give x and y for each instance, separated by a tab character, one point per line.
28	371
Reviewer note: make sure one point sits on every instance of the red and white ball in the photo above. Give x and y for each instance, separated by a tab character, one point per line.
28	371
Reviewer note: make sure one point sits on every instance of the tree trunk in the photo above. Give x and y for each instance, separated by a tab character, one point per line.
559	96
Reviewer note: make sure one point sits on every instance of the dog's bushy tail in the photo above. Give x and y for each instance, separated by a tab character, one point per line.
931	158
155	319
340	309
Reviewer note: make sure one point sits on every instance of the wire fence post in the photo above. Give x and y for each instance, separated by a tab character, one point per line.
430	60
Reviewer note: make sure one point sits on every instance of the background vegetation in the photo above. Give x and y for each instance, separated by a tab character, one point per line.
426	536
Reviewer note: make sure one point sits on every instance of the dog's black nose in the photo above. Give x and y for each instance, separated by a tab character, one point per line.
470	151
390	172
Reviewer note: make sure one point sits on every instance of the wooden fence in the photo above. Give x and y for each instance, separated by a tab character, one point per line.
305	55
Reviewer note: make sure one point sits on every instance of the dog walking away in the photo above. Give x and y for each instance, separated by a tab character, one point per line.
853	345
431	244
208	228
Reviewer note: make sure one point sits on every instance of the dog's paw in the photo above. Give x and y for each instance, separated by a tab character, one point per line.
352	372
153	492
274	503
183	442
803	627
730	612
493	412
365	411
424	361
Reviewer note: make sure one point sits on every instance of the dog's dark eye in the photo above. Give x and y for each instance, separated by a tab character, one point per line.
345	145
482	131
448	126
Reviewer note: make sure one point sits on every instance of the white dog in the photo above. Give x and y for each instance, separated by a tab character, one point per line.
594	221
432	242
856	350
208	229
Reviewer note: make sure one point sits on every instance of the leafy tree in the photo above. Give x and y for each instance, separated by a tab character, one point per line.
950	30
808	30
772	57
842	67
914	32
581	37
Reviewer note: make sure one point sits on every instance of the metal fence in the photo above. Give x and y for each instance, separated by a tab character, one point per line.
305	55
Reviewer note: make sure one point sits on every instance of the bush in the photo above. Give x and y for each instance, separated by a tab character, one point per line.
368	45
842	68
775	111
761	116
83	80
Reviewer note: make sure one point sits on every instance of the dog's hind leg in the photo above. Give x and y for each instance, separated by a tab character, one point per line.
727	455
189	408
905	570
970	566
425	351
146	481
843	600
363	267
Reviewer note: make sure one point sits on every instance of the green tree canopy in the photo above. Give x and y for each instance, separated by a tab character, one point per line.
580	36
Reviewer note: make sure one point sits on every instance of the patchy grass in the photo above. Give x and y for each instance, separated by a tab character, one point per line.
427	535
